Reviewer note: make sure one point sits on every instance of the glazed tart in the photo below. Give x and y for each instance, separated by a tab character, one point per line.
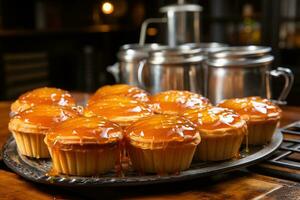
222	131
176	102
120	90
30	127
84	146
42	96
119	109
262	117
161	144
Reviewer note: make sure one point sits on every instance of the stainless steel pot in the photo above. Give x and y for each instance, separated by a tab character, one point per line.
243	71
207	47
183	24
177	68
129	58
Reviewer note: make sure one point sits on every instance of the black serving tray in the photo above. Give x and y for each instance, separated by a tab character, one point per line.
36	169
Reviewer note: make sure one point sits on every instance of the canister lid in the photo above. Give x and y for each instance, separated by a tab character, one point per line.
181	8
176	55
132	52
242	62
241	51
208	46
240	56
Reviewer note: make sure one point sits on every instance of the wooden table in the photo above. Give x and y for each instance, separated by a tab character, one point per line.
241	184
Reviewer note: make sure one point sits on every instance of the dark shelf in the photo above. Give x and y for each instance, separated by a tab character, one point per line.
290	49
290	19
66	31
226	19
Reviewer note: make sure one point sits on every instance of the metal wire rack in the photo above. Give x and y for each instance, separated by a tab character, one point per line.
288	155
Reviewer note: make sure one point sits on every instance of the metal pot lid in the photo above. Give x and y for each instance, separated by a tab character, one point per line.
176	55
145	47
205	45
240	62
240	52
181	8
132	52
208	47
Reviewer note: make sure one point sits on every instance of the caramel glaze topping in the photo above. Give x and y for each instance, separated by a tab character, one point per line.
163	128
117	107
252	108
176	102
84	131
120	90
214	118
47	96
46	116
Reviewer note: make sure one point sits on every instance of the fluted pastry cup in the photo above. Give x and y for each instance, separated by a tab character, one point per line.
260	133
261	115
30	127
222	131
161	144
85	146
223	147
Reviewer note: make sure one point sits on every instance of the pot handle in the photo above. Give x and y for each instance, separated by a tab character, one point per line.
289	80
145	25
140	73
114	70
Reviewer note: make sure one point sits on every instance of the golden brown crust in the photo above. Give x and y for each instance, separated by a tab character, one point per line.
161	131
119	109
254	109
42	96
40	119
120	90
242	131
176	102
84	133
216	121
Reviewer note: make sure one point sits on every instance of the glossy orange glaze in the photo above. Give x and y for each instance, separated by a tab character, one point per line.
113	107
162	127
82	130
46	115
48	96
214	118
177	101
252	107
120	90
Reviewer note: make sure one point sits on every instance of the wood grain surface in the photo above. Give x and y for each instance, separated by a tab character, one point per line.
237	185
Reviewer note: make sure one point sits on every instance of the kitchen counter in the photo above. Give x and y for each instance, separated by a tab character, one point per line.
242	184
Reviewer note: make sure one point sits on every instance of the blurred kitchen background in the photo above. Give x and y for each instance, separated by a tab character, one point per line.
69	43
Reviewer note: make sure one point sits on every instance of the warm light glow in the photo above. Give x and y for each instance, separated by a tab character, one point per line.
151	31
107	8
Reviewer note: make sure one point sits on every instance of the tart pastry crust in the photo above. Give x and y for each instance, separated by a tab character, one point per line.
30	127
161	144
176	102
222	131
85	146
120	90
119	109
42	96
262	117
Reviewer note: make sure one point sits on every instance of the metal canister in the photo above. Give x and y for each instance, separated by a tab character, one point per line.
177	68
243	71
129	58
183	23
